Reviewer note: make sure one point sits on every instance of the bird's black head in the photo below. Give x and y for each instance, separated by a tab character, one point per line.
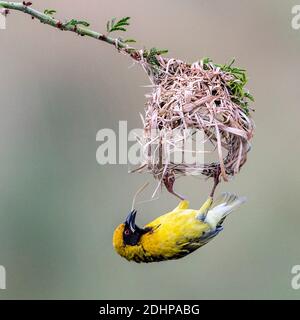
132	233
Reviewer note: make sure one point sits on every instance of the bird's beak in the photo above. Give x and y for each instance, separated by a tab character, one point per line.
130	220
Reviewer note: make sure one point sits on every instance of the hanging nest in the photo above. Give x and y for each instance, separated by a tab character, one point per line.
200	96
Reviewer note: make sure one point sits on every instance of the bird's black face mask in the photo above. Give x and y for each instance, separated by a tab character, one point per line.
132	233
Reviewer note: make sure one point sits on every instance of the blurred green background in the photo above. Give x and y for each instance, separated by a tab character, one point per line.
58	207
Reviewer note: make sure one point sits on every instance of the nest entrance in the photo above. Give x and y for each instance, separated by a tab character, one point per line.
201	97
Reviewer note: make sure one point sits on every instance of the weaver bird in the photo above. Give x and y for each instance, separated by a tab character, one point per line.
175	234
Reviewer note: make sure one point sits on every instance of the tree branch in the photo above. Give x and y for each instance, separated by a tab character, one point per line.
72	25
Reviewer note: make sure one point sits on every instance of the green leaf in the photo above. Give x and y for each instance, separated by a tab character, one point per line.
129	41
249	96
49	12
151	55
120	25
75	22
83	23
118	29
124	20
207	63
206	60
160	52
231	63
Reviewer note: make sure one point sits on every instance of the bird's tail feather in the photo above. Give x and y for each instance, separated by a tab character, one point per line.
221	208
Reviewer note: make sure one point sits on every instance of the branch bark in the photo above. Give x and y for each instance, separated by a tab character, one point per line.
64	26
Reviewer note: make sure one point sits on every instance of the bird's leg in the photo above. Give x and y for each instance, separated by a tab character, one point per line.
216	181
208	203
169	184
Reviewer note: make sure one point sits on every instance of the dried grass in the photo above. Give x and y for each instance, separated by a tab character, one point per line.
197	96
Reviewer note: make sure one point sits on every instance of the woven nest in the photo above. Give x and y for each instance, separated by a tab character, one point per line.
199	96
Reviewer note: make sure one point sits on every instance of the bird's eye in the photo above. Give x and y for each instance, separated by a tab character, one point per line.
127	232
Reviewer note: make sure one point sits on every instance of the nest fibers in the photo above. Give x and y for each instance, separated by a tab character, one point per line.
201	97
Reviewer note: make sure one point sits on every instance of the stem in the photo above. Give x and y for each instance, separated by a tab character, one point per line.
58	24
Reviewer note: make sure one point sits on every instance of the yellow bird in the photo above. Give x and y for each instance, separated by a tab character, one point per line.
175	234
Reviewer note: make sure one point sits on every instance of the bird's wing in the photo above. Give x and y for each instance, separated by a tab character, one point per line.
221	209
174	235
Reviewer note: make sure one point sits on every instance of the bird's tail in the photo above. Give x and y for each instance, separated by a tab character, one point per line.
221	208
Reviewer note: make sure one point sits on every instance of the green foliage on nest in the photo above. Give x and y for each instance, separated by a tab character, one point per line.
236	86
151	55
240	95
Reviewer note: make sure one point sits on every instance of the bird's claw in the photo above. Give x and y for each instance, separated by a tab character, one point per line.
169	184
216	180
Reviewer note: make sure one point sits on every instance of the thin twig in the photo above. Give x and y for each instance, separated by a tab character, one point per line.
64	26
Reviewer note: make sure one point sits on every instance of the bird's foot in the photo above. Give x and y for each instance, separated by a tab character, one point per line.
169	184
216	181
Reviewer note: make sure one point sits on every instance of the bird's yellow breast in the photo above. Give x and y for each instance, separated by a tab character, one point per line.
174	234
